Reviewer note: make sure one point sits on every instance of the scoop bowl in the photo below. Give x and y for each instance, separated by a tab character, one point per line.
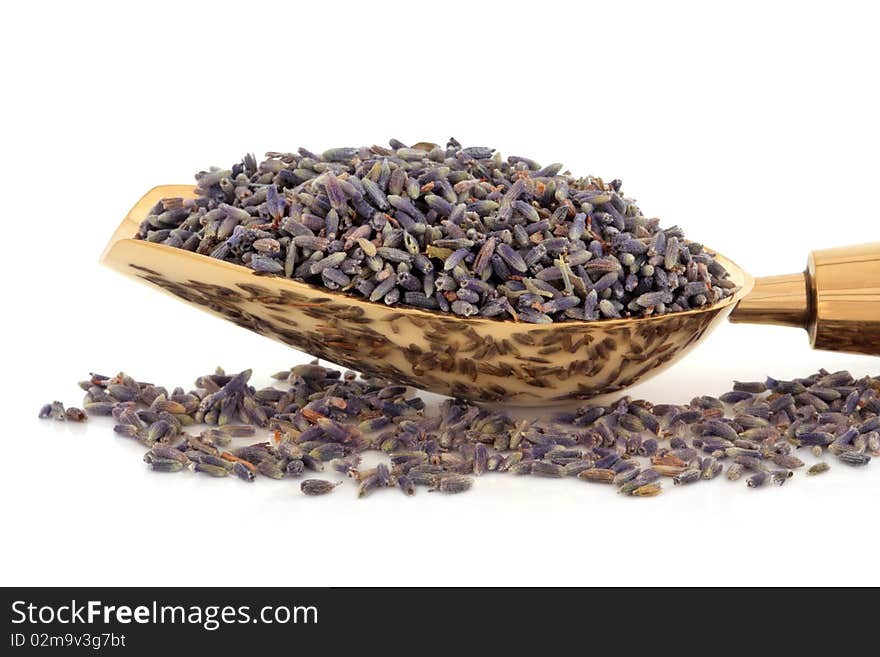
489	360
479	359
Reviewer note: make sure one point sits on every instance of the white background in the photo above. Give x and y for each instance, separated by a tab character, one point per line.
755	127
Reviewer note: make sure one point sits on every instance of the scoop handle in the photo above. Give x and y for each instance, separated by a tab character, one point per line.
837	299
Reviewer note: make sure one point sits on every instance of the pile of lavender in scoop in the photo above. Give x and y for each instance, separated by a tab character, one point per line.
323	420
452	229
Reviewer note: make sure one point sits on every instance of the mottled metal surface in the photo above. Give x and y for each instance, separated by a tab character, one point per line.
478	359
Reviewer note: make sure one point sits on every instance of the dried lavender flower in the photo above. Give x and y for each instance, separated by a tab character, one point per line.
818	468
323	413
317	486
339	219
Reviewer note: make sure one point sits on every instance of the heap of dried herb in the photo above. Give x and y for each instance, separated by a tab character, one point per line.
323	420
453	229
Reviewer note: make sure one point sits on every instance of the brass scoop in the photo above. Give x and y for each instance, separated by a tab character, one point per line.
837	299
